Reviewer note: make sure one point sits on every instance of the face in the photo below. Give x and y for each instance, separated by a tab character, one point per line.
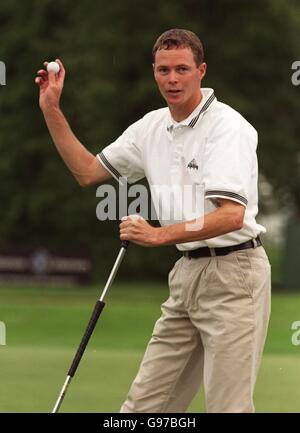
179	78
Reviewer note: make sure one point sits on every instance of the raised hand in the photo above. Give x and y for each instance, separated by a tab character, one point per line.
50	85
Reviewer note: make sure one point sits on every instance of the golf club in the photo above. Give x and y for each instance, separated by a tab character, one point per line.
90	327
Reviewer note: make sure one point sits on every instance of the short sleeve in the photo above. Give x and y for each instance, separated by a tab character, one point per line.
230	161
123	158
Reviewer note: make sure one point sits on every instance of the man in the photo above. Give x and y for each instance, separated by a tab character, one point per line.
213	325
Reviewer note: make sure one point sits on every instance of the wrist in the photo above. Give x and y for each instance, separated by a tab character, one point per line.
159	238
52	109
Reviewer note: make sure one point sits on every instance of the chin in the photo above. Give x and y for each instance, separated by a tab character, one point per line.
174	102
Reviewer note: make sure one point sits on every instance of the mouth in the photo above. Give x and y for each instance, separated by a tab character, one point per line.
173	91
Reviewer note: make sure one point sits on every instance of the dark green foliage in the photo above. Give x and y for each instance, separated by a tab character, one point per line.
106	49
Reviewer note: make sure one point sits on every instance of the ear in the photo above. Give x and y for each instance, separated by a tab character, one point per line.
202	70
153	67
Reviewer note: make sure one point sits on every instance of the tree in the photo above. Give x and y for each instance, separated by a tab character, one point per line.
106	48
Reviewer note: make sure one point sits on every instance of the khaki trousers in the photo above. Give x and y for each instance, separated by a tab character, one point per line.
212	331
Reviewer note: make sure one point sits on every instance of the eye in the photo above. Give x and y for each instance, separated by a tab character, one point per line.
182	69
163	70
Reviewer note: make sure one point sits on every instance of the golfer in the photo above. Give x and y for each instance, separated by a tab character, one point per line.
213	325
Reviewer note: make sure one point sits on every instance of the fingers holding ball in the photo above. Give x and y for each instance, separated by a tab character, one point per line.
54	67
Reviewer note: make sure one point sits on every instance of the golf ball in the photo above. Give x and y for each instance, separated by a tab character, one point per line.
53	66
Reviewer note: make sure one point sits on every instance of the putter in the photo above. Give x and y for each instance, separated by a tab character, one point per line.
90	327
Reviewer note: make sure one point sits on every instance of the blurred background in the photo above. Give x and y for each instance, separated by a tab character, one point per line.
55	253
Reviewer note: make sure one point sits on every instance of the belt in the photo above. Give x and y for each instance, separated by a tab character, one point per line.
223	251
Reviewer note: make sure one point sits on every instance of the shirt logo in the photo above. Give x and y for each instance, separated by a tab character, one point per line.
193	164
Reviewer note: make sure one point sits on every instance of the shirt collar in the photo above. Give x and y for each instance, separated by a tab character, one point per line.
208	96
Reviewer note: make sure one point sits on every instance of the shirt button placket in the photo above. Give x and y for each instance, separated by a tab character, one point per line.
175	170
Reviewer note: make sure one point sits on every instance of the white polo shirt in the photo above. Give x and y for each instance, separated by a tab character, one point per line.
215	147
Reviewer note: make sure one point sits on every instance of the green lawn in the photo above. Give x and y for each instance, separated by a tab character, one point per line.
44	327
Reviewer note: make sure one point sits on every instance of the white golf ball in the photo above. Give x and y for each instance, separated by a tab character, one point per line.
53	66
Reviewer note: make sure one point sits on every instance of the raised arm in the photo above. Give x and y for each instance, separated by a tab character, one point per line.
84	166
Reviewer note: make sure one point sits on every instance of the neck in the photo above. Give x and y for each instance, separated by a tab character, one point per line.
180	113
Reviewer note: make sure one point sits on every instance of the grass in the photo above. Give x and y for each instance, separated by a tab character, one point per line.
44	327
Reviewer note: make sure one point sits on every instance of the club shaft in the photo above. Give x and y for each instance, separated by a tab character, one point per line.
90	327
113	272
61	395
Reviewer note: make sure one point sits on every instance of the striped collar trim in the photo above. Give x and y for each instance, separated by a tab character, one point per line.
204	108
195	119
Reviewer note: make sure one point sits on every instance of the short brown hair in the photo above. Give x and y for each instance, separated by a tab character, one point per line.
178	38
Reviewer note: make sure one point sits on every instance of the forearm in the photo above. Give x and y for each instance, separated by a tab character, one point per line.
217	223
77	158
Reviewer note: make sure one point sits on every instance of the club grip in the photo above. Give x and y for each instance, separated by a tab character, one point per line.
124	244
85	339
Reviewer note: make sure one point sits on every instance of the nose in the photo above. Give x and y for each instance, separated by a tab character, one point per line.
173	77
